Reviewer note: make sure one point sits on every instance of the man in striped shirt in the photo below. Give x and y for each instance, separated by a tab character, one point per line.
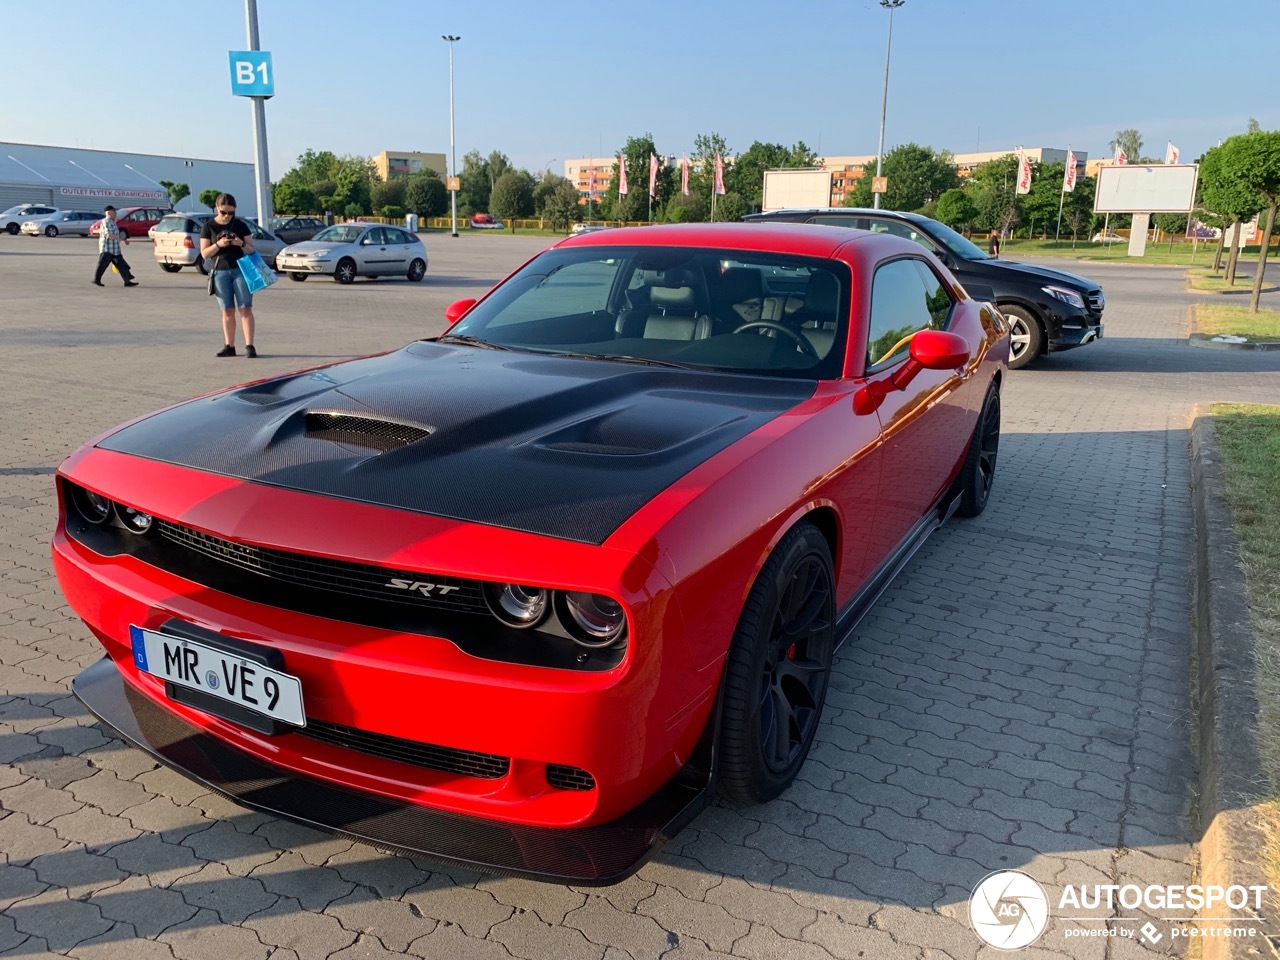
109	237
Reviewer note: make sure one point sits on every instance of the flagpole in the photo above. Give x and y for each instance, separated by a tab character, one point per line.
1062	195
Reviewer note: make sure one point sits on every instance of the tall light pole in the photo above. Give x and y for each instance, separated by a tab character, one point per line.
261	173
890	5
453	153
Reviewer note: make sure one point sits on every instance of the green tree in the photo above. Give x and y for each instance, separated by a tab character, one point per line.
497	164
682	209
324	191
730	207
702	165
425	195
559	206
1173	224
955	208
1253	161
388	193
208	197
511	195
992	187
634	204
1077	207
746	176
1130	141
293	197
916	175
176	191
474	185
1254	126
353	210
1226	195
312	167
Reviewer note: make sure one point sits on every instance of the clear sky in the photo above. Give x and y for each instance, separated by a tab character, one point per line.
550	80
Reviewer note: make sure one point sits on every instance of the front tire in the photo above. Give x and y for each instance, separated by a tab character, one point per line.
777	670
298	276
345	272
979	470
13	229
50	231
1025	336
170	267
417	270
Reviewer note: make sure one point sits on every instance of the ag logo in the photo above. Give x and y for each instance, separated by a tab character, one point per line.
1008	910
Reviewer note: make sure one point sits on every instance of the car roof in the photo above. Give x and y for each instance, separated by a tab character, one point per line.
801	239
848	211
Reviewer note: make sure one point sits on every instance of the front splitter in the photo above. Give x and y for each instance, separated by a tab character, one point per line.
579	855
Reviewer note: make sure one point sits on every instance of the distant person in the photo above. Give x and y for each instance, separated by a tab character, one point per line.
993	244
226	238
109	237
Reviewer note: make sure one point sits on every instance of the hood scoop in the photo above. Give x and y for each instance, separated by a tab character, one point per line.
358	430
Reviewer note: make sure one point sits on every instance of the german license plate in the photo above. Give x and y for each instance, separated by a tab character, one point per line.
197	666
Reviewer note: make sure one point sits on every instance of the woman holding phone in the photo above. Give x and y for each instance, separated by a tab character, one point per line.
225	239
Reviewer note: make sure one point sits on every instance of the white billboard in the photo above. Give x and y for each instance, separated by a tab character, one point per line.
1146	188
784	189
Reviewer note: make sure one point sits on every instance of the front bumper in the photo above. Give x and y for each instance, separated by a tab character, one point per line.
1076	332
293	265
585	855
183	256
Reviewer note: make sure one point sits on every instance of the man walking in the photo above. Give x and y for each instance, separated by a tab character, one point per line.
109	237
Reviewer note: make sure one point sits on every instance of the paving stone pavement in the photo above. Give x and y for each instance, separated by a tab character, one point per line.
1019	699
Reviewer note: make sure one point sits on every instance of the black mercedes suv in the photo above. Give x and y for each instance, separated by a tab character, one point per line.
1048	310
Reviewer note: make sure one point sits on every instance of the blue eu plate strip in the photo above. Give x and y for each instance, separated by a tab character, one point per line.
139	647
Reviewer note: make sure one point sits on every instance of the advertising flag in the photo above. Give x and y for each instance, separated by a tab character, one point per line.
1069	176
591	180
1171	153
1024	174
684	175
653	175
719	185
622	175
1121	157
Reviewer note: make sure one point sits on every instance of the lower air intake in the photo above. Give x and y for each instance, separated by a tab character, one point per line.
564	777
466	763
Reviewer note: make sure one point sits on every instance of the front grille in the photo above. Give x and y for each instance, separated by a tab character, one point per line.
334	576
1097	302
466	763
564	777
381	435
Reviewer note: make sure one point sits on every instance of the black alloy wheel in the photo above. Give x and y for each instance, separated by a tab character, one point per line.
345	272
417	270
777	671
979	471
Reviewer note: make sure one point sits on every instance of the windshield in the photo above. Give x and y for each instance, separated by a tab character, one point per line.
763	313
341	233
957	243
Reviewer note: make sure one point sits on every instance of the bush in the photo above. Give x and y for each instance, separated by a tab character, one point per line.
392	212
353	210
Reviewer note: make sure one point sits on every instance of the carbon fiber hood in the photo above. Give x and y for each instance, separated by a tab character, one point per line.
562	447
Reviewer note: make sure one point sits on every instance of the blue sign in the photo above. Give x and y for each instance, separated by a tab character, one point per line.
252	74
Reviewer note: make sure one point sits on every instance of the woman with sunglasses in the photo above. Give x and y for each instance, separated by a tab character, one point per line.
225	239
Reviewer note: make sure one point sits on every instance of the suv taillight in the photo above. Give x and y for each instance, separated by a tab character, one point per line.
186	242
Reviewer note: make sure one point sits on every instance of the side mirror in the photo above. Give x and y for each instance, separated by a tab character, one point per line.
939	350
456	310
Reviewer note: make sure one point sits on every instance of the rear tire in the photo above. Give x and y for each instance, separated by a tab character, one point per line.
777	670
345	272
202	266
979	470
1025	336
51	231
170	267
298	276
13	229
417	270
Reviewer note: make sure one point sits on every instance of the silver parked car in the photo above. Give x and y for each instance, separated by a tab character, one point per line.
177	241
73	223
11	220
349	250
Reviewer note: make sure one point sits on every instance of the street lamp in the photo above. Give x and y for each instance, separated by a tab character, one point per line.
453	153
890	5
547	169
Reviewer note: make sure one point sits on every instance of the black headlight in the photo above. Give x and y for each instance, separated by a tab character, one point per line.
592	619
516	605
94	507
134	521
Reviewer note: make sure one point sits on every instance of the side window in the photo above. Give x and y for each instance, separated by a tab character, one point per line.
904	230
899	308
373	238
936	297
833	220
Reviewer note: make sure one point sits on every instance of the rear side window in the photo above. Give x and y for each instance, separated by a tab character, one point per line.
900	306
175	225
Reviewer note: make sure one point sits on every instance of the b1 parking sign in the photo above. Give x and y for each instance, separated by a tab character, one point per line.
252	74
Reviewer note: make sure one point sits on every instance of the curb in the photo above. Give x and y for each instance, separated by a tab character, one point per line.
1231	776
1205	343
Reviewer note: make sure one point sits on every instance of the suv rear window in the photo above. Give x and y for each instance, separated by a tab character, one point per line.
173	225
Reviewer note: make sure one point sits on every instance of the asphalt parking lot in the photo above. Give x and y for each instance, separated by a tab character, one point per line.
1019	699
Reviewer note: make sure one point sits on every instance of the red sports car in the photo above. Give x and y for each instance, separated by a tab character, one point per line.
522	595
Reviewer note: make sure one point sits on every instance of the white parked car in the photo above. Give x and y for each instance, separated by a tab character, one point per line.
1109	238
11	220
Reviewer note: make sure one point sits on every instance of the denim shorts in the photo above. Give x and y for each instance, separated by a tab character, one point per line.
231	290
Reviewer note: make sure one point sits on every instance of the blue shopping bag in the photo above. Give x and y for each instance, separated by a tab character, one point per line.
256	272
